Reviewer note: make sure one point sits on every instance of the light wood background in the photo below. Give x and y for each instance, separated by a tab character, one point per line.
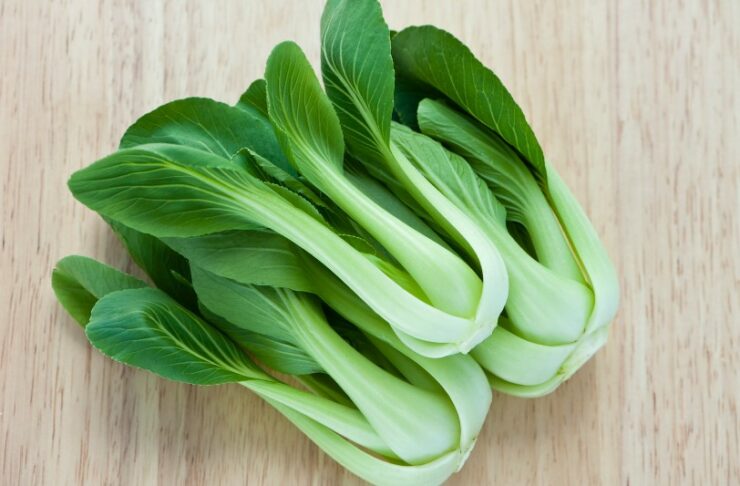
634	101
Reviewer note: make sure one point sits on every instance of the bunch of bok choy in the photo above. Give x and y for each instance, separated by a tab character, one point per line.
370	257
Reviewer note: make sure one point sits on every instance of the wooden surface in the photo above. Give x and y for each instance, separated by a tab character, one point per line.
636	104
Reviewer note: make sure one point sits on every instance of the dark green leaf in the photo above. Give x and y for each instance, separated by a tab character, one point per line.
253	257
79	282
206	125
258	318
307	126
493	160
519	232
255	97
297	201
168	270
278	355
147	329
406	98
357	68
167	190
436	58
259	309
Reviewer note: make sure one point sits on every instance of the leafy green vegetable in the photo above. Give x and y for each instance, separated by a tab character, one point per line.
137	327
147	329
309	132
255	257
357	241
358	72
451	372
542	306
563	289
512	182
433	57
206	125
298	319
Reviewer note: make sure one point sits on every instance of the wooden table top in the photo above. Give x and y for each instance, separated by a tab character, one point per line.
635	102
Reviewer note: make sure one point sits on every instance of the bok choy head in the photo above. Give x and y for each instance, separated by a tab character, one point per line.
563	287
358	73
368	399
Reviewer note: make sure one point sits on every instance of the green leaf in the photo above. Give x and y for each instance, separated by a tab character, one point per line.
358	73
260	309
168	270
436	58
206	125
169	190
254	257
519	232
323	385
563	304
175	191
79	282
307	126
278	355
298	201
357	68
147	329
297	319
406	99
255	97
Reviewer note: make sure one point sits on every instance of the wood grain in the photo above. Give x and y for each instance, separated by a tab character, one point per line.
636	104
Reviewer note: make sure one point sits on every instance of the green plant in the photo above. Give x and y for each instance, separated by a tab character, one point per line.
563	287
392	247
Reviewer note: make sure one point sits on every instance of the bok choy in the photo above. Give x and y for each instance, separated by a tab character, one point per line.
563	288
371	256
417	431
